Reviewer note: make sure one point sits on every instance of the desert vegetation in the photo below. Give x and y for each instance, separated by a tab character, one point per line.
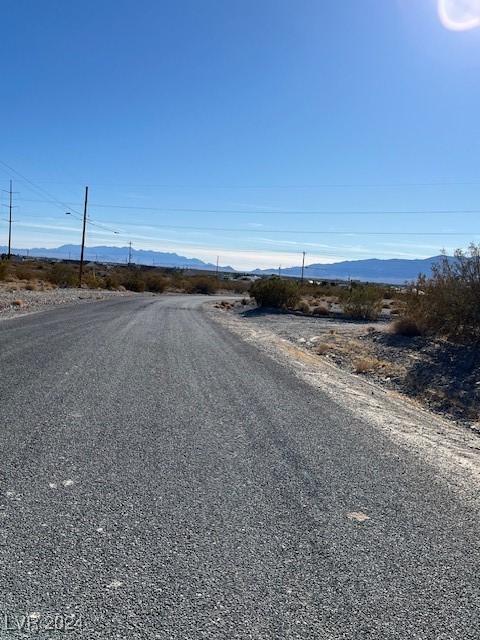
448	303
38	275
275	293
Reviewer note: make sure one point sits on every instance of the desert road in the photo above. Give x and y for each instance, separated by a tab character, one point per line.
160	478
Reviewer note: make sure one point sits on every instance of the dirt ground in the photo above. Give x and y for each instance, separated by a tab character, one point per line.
442	376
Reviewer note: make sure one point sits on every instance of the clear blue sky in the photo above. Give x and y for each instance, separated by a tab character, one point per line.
250	112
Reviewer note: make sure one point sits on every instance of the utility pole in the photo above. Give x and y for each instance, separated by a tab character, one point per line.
82	253
279	270
303	265
129	253
10	224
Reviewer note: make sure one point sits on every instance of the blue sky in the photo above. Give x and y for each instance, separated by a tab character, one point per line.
248	129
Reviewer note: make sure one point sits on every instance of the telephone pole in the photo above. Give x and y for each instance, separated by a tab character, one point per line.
303	265
10	224
82	253
129	253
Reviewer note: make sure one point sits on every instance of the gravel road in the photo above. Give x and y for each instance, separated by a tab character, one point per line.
162	478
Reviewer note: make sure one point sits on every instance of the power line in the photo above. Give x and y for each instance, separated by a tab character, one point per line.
56	202
282	212
338	185
286	231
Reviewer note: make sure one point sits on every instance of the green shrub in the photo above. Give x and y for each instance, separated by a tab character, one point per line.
275	293
363	302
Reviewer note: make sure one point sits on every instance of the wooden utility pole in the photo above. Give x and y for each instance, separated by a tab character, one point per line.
10	225
80	272
303	265
129	253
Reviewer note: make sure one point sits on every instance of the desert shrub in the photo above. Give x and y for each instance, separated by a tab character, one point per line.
321	310
63	275
93	282
275	293
448	303
304	307
202	284
135	282
237	286
364	365
4	269
24	273
156	283
405	326
112	281
363	302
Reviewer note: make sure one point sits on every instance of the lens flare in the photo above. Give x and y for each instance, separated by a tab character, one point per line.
459	15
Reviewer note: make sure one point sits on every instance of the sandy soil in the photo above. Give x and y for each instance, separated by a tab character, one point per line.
16	300
375	395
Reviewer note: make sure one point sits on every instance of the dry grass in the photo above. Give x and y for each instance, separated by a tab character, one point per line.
322	349
365	365
304	307
405	326
321	310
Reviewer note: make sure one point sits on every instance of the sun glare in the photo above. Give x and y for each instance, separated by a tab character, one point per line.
459	15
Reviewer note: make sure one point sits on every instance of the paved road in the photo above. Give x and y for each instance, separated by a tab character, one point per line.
162	479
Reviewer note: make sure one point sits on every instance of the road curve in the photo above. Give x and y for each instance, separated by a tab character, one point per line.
160	478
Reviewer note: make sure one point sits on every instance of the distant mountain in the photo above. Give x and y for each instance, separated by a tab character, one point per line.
394	271
119	255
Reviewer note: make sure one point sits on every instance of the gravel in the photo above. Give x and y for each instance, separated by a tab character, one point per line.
15	302
443	376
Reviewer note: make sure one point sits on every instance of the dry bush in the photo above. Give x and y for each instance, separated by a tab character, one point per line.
362	302
245	301
25	272
63	275
364	365
322	349
448	303
405	326
18	303
156	283
275	293
304	307
321	310
205	285
4	269
370	329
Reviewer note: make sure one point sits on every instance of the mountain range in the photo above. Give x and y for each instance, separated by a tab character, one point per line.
391	271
